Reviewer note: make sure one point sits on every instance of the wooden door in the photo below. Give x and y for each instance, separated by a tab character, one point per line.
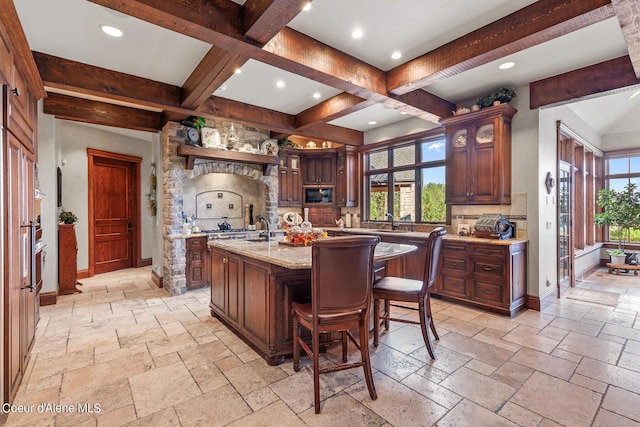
114	232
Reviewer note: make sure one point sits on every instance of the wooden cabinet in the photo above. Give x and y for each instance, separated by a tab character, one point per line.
319	168
6	61
22	111
197	271
347	177
479	156
324	217
290	180
489	275
67	259
254	299
410	266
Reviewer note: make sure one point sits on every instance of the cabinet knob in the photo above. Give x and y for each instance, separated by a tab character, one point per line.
16	91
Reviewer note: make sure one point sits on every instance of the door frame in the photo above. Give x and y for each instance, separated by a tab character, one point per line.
135	164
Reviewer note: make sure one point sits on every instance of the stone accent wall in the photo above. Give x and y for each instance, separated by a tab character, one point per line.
173	176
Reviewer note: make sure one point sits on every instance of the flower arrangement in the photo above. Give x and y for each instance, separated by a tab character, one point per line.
296	236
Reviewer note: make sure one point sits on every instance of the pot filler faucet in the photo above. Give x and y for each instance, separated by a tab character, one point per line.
393	224
266	222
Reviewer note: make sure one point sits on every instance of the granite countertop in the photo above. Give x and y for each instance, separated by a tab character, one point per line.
299	257
424	235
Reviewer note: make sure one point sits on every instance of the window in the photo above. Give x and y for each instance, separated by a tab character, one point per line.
620	171
408	181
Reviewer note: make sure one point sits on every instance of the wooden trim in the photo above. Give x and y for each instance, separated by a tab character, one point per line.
84	274
135	162
158	280
48	298
144	262
438	131
538	304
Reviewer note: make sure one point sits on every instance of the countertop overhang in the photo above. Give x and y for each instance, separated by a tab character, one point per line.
298	257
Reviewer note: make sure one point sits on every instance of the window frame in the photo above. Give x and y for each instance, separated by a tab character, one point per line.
417	167
607	176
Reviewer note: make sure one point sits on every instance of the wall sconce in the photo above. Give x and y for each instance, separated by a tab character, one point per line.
549	182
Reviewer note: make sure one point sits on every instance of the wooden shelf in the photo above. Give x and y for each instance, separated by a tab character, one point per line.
191	153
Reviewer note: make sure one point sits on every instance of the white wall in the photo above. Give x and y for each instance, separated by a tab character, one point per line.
66	142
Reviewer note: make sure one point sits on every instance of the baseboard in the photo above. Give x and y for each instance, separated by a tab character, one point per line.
532	302
146	262
83	274
156	279
48	298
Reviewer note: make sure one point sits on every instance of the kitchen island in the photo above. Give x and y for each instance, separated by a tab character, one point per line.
254	283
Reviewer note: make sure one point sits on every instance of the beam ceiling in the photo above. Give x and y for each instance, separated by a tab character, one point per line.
258	30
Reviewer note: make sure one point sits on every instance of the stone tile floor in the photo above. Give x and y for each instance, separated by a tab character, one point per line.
127	353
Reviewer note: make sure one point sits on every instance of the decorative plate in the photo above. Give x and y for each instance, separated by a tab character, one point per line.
484	134
292	218
270	147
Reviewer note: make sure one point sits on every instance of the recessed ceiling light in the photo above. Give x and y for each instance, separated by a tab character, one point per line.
238	71
507	65
307	7
280	83
396	55
222	88
403	112
111	31
316	95
357	33
372	122
634	94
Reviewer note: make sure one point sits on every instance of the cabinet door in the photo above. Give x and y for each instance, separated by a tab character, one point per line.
234	290
347	179
21	117
295	187
327	169
457	172
283	181
196	270
256	297
485	163
6	61
311	170
218	263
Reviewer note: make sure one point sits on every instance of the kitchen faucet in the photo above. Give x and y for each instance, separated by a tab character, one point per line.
266	222
393	224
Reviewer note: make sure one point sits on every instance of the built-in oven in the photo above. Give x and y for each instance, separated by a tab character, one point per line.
318	195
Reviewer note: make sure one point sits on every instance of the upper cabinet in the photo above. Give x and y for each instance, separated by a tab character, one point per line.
319	168
290	181
347	177
479	156
21	119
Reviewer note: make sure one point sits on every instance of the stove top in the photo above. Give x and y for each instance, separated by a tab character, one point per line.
233	230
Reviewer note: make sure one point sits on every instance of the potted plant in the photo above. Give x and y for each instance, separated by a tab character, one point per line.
67	217
621	212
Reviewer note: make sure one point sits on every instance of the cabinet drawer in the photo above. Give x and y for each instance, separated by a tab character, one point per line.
197	243
484	251
487	292
455	286
490	267
450	264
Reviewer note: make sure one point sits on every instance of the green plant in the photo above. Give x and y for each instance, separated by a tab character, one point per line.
503	95
615	252
621	211
67	217
197	122
286	142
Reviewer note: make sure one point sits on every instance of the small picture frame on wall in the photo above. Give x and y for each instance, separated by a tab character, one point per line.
59	187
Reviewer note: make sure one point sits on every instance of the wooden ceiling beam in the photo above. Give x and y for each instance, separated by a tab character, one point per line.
102	113
263	19
87	79
596	80
214	69
527	27
277	122
288	49
331	109
628	13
